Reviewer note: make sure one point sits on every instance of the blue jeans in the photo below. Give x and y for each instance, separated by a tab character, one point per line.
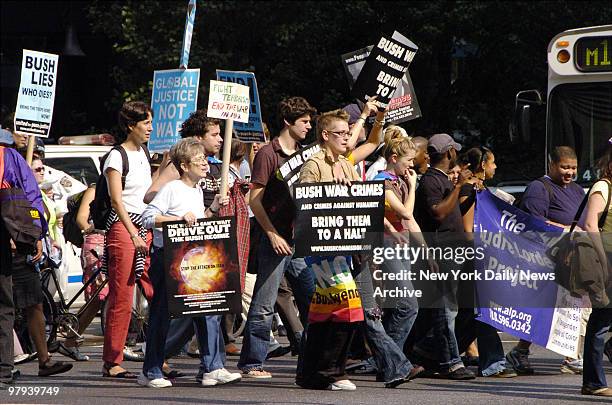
388	356
210	339
270	270
597	327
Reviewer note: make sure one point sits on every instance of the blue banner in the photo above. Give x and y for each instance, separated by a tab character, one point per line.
191	10
251	131
518	293
175	96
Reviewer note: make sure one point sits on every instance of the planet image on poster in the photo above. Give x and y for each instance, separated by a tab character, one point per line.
202	268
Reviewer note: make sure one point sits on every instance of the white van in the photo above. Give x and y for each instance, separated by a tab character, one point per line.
83	163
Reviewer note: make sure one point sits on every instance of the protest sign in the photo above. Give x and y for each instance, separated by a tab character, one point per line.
228	101
335	219
201	267
289	172
403	106
251	131
36	96
384	68
175	96
518	294
187	34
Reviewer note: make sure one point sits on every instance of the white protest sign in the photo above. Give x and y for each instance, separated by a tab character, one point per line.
228	101
36	96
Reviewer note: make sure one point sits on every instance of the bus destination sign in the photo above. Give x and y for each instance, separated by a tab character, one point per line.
593	54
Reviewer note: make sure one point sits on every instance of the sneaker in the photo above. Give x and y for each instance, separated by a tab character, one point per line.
571	366
257	373
278	352
25	357
459	374
600	392
608	349
154	383
132	354
505	373
72	352
218	377
342	385
519	360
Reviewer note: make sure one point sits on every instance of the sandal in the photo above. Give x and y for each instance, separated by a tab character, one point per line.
51	368
123	374
172	374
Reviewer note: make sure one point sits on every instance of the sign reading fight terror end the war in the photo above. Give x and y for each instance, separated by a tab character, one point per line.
289	172
229	101
384	69
335	219
251	131
201	267
36	96
175	96
404	105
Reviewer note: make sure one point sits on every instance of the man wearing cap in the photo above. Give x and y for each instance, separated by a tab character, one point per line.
437	213
14	173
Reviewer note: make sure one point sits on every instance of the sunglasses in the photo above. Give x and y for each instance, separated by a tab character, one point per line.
39	169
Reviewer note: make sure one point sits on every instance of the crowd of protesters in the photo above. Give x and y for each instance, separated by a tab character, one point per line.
430	188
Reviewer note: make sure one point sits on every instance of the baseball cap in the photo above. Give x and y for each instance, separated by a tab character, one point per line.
353	111
442	143
6	137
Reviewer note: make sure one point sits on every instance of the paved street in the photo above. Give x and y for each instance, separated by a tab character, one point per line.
84	385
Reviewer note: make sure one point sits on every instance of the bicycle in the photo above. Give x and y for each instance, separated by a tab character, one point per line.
61	320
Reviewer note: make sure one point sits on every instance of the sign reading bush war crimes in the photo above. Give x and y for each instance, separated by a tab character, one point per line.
384	68
175	96
334	219
251	131
403	106
518	294
229	101
201	267
34	109
289	171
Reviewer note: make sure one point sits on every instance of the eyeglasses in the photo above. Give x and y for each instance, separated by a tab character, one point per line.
39	170
340	134
198	159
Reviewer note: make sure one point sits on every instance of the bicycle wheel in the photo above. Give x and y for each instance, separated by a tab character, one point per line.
51	315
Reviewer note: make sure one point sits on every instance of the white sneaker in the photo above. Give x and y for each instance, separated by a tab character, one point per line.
155	383
572	366
219	376
344	385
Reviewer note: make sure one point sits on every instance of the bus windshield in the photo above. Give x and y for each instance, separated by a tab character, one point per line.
580	116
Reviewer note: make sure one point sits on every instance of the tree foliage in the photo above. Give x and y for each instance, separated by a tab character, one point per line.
294	48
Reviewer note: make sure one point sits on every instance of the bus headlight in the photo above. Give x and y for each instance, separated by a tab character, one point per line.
563	56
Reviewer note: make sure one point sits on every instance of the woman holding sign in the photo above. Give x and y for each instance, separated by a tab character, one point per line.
181	200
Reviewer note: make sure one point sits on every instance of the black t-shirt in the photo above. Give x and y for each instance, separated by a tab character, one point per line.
467	190
433	188
212	182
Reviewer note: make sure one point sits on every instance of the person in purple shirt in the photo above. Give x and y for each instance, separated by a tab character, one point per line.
554	198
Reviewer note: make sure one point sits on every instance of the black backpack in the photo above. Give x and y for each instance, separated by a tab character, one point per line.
100	208
71	230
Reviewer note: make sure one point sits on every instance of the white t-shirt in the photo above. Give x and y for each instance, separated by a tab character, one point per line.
175	198
137	181
377	166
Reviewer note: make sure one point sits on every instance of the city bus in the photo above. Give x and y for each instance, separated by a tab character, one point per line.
578	98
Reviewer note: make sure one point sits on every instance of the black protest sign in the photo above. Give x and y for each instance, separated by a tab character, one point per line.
201	267
404	105
335	219
384	68
289	172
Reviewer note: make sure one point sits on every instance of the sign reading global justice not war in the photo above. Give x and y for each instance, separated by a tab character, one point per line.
175	96
201	267
518	294
251	131
384	69
403	106
335	219
229	101
34	110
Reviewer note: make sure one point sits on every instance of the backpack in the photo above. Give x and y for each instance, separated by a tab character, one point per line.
100	208
71	230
